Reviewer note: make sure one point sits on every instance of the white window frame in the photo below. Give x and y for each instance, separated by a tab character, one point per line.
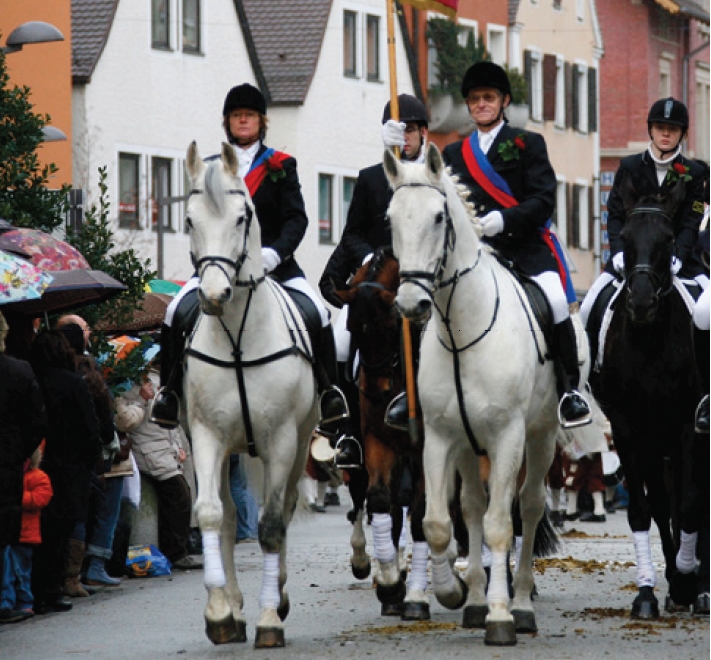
561	205
536	91
560	92
339	209
665	74
580	10
703	110
583	214
361	42
495	32
582	73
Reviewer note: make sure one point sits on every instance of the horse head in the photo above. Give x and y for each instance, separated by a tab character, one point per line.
422	229
220	218
648	238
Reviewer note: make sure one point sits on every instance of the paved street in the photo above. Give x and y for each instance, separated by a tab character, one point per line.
582	610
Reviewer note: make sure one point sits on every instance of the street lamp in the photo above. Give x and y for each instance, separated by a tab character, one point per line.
32	32
53	134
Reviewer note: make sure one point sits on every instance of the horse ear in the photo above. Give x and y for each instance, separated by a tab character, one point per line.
393	168
193	160
433	160
229	158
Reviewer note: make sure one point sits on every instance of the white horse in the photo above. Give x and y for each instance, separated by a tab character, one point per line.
249	386
485	388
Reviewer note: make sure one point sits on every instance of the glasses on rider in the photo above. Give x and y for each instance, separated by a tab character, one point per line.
488	96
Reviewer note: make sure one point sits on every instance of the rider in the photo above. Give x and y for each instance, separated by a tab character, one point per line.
273	183
513	187
652	172
366	229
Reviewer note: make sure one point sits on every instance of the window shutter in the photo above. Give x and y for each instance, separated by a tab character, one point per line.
592	100
569	212
575	93
549	80
575	236
528	72
569	95
591	219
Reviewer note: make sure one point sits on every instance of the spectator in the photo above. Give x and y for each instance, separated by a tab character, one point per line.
72	449
16	600
247	507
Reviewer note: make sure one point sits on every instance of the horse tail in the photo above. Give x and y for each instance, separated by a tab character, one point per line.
546	541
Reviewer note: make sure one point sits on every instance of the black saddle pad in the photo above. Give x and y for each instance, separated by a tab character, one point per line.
597	313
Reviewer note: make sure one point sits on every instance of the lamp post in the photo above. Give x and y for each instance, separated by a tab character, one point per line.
32	32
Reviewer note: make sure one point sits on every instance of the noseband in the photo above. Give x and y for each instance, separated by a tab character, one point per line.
217	261
656	279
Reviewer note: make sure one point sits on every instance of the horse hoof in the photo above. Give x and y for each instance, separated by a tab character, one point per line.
269	638
226	631
360	572
500	633
392	609
683	589
475	616
646	605
674	607
701	605
391	594
283	610
525	621
416	612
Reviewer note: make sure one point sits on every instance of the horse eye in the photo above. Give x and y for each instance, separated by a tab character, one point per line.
240	220
439	218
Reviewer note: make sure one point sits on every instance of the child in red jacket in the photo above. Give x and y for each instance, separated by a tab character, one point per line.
16	598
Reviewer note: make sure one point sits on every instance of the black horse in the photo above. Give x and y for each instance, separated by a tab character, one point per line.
648	386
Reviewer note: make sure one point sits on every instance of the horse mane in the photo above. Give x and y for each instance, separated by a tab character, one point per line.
464	195
215	187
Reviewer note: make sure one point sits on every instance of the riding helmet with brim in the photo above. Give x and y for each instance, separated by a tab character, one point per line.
486	74
244	96
411	110
669	111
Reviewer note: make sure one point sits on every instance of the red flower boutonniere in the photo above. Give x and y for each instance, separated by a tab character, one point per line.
275	168
678	171
511	149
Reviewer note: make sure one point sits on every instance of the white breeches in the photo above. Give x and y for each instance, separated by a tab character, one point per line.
701	311
552	287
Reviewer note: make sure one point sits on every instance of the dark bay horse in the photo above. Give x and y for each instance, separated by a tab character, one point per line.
648	387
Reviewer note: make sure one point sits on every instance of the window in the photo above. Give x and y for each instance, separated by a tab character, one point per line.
534	79
160	198
350	50
496	40
580	219
560	215
129	168
191	26
580	10
665	76
581	97
703	111
559	92
332	218
373	47
160	24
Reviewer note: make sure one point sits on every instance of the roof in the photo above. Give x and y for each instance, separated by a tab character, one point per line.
91	24
284	52
687	8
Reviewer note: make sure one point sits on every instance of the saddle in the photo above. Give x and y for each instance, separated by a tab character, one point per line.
597	316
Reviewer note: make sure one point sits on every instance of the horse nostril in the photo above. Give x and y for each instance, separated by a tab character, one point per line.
423	306
226	294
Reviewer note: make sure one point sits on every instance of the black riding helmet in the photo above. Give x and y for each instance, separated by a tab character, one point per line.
486	74
668	111
244	96
411	109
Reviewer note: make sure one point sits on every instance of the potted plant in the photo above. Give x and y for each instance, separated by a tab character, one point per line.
518	110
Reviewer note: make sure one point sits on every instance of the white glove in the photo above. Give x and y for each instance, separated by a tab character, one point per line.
675	265
270	259
367	258
393	133
492	223
618	262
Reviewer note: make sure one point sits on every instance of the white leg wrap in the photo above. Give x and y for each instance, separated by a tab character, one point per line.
498	591
485	555
270	598
442	576
382	527
417	579
686	557
402	542
646	577
214	573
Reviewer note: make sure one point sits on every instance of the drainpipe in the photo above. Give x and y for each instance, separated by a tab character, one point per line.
685	72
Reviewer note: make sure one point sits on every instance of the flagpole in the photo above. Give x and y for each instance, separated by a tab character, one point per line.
406	334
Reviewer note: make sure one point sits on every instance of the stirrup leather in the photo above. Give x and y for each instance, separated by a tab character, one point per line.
573	423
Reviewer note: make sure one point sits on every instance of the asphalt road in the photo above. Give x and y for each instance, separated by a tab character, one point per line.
582	610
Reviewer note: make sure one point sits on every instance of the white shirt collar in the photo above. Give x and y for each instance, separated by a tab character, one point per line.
246	156
487	139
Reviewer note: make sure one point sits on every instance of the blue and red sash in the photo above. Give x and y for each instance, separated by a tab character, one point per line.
496	187
269	160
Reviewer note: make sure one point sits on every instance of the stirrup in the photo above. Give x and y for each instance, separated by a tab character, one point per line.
701	425
161	409
393	418
583	420
355	461
331	419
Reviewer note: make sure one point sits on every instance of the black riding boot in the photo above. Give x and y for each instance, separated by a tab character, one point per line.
396	414
573	409
702	349
165	410
332	402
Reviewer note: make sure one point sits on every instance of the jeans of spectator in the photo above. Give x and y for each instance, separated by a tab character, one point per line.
247	508
174	505
79	531
108	506
17	573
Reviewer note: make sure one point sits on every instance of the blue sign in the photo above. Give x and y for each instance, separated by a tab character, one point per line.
603	197
607	178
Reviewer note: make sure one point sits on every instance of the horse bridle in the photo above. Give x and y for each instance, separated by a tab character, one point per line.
236	264
647	269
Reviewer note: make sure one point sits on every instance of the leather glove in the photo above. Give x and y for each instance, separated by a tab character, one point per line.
393	133
492	223
675	265
328	289
270	259
618	263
